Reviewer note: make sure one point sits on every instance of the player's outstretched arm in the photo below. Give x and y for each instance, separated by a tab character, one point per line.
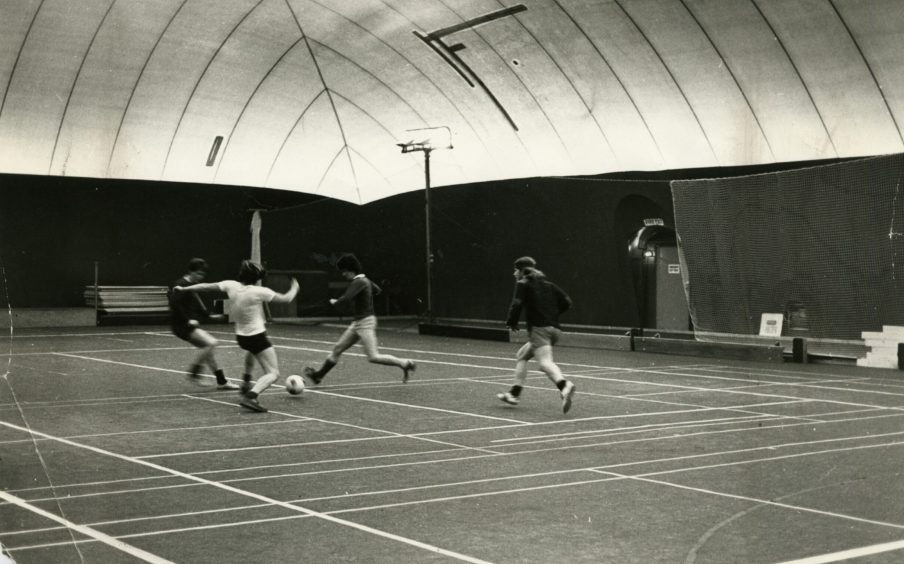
289	295
203	287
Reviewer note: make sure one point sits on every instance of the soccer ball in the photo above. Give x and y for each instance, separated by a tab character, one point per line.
294	384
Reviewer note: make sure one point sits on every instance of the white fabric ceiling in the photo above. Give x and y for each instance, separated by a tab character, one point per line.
314	95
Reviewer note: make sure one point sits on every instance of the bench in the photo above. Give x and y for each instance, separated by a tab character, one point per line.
128	304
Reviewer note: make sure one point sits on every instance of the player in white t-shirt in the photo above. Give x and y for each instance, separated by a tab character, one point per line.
246	310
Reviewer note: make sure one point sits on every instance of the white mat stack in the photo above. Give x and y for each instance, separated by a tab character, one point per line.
883	347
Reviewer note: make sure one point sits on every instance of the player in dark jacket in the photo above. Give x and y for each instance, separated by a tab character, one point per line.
359	297
542	302
186	313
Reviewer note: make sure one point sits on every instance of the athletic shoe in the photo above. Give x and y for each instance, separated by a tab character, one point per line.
227	386
310	376
567	393
252	404
410	366
508	398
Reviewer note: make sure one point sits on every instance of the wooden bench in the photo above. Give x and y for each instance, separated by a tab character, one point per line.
128	304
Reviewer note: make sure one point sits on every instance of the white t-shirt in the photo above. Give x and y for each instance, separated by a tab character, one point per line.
245	306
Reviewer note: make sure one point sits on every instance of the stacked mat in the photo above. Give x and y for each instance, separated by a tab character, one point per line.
883	347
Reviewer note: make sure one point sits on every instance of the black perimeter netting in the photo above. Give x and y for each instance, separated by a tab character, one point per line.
823	245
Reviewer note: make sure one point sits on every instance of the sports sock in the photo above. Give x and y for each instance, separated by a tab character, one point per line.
251	395
515	391
195	369
221	376
246	377
327	366
561	384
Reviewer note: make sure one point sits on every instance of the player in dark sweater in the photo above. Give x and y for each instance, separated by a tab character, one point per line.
359	296
543	302
186	313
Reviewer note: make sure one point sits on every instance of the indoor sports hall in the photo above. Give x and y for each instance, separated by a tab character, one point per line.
682	219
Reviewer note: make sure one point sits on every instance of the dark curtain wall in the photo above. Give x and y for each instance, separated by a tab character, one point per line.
52	230
576	229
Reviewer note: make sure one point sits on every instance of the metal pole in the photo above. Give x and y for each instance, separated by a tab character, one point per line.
96	294
429	247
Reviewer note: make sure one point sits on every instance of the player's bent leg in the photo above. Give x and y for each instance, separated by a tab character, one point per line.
369	342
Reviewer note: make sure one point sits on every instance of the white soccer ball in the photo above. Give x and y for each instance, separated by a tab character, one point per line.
294	384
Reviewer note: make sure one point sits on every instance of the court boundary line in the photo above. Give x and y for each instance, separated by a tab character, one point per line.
849	553
259	497
85	530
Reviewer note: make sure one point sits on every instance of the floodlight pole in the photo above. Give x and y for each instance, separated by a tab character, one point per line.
427	233
426	146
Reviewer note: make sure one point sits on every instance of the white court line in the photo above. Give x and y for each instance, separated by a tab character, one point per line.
263	447
385	402
665	426
87	531
362	428
760	501
259	497
850	554
601	470
740	393
818	384
614	475
167	532
96	351
326	461
119	363
657	473
414	406
487	454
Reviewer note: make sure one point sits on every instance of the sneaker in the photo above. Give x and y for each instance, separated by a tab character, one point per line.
227	385
410	366
310	376
567	393
508	398
252	404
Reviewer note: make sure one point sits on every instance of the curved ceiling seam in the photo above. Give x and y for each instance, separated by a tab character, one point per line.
198	82
144	66
289	135
869	67
238	118
329	96
376	78
413	66
329	167
668	71
78	75
371	165
513	73
372	118
734	78
617	78
12	73
570	83
381	126
797	72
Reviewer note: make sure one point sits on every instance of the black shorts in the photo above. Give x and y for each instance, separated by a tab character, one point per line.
254	343
183	331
